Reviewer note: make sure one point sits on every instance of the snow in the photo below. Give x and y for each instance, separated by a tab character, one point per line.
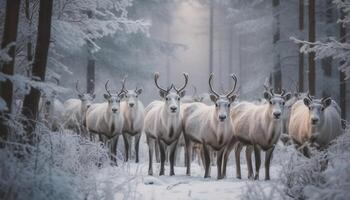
180	186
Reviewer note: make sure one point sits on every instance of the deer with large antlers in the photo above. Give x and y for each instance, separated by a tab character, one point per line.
107	120
163	123
258	127
75	110
209	126
314	121
133	113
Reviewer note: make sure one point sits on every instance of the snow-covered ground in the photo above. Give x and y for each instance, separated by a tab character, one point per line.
180	186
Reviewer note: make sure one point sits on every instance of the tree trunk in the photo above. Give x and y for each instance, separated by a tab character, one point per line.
9	36
312	37
211	37
342	81
90	69
230	51
90	77
277	71
31	101
29	38
301	55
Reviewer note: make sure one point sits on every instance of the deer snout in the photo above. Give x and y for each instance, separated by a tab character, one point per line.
114	110
131	104
314	120
222	117
277	115
173	108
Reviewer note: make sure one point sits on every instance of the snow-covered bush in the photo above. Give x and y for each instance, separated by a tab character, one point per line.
326	175
61	165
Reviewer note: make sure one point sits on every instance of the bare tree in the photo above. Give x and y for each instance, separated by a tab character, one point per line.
9	36
211	36
342	81
31	101
301	55
90	71
312	37
277	71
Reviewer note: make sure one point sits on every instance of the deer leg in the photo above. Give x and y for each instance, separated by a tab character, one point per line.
172	158
157	152
268	157
151	145
126	147
206	158
248	155
113	147
137	145
162	157
238	149
226	155
219	157
188	150
257	161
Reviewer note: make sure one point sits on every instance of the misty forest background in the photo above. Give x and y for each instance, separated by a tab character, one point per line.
49	45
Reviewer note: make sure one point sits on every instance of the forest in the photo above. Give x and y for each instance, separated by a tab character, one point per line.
174	99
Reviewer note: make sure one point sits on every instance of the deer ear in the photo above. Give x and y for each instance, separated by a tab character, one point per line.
182	93
327	102
232	98
121	95
213	98
307	102
106	96
287	96
162	93
267	95
139	91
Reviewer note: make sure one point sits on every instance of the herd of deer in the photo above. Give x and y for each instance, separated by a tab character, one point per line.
220	125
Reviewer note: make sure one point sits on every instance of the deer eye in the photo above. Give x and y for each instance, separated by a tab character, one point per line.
178	98
228	105
322	109
216	105
166	98
283	103
271	102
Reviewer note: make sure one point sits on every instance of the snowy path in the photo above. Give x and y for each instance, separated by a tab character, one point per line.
180	186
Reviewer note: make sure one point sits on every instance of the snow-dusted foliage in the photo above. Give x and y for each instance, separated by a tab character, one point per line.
332	47
62	165
88	20
324	176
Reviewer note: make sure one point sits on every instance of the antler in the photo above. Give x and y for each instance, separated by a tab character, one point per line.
183	87
106	88
211	85
123	83
156	77
77	87
283	92
308	96
234	86
194	90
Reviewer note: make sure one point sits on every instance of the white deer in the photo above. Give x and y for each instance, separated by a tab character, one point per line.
133	113
163	123
209	126
316	121
258	127
75	110
107	120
